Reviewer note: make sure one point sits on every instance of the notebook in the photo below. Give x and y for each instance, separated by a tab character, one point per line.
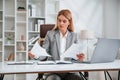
20	63
106	51
53	62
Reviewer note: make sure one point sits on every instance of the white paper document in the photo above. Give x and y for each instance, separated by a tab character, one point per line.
53	62
38	51
72	51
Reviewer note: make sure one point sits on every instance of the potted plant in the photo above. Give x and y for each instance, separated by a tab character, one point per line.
9	38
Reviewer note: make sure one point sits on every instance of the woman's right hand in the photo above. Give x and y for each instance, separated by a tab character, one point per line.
31	55
80	56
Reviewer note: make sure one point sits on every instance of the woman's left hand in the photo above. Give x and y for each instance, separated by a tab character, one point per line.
80	56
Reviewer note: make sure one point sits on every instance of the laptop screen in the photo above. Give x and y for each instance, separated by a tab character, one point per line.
106	50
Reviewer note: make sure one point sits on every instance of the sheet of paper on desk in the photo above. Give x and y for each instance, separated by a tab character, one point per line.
72	51
38	51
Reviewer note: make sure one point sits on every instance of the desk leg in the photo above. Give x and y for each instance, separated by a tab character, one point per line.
39	76
82	76
86	74
107	73
118	75
1	76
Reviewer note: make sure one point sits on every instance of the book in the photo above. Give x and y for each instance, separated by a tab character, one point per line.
53	62
39	22
32	40
62	62
20	63
33	10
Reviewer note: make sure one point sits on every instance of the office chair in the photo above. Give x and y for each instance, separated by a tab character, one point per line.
118	75
1	76
43	31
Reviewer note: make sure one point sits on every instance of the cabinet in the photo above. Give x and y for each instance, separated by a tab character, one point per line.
52	8
8	28
36	17
19	28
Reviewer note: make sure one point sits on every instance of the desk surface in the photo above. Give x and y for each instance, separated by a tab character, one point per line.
18	69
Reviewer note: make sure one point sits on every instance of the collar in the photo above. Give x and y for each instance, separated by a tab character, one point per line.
64	35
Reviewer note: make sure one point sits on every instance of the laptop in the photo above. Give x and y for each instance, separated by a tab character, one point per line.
106	51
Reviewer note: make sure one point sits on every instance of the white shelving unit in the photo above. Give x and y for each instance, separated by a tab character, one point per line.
1	30
20	21
52	8
36	17
21	30
8	28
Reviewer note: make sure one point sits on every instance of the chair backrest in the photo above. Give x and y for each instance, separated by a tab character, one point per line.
43	31
44	28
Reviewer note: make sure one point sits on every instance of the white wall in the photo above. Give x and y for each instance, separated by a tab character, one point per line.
87	14
101	16
119	17
111	18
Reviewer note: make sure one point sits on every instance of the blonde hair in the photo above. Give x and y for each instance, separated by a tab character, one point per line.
67	14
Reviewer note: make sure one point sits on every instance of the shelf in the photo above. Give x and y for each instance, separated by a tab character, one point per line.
9	31
36	17
21	41
21	0
9	16
21	22
34	32
21	51
10	45
52	14
36	1
21	12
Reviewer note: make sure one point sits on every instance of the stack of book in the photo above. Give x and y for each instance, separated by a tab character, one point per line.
33	39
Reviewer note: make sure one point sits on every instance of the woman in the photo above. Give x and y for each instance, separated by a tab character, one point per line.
62	36
58	40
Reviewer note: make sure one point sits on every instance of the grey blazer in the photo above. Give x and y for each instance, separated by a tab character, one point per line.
52	42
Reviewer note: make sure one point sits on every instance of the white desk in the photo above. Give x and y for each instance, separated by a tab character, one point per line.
76	67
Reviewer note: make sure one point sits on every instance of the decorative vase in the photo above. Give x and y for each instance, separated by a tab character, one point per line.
21	46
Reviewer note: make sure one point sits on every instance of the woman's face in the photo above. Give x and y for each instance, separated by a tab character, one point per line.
62	23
